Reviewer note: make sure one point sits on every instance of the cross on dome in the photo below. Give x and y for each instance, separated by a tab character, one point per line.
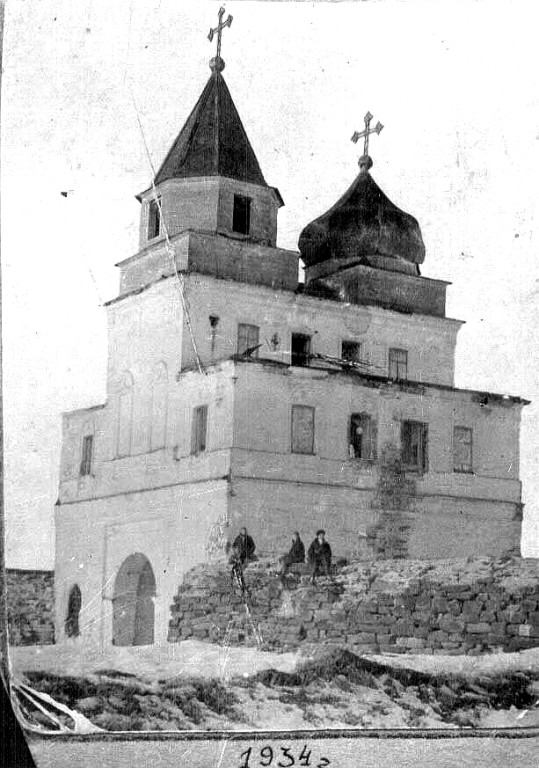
365	161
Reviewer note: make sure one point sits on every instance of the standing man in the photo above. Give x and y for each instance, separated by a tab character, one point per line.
295	555
319	555
245	546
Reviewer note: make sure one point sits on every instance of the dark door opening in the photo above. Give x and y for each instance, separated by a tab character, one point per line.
133	602
300	350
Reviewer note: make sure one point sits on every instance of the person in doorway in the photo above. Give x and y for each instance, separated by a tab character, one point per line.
296	554
245	546
319	556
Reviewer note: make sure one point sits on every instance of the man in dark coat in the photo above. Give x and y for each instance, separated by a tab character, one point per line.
295	555
245	546
319	555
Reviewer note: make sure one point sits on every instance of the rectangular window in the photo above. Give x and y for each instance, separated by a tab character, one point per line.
200	425
414	442
362	437
351	351
301	349
241	217
248	336
302	429
398	364
86	459
154	219
462	449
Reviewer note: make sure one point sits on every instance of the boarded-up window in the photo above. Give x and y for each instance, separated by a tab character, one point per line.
200	424
351	351
414	441
398	364
362	436
86	458
241	217
462	449
248	336
301	349
302	429
154	219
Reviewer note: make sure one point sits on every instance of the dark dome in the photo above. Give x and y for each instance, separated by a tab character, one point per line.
364	225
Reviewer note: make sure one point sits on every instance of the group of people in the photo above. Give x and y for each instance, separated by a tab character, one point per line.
318	555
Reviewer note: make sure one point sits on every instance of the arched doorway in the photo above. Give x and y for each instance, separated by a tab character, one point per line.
133	607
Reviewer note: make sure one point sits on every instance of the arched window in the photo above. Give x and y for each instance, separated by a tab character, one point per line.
159	406
125	415
74	603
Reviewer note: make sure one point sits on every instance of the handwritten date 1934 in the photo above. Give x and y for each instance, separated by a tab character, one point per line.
281	757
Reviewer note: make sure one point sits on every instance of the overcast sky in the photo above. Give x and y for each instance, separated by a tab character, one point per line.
454	83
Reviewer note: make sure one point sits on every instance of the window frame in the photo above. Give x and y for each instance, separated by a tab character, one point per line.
296	407
250	327
305	356
243	215
357	345
422	466
394	352
369	436
86	461
199	446
468	470
154	218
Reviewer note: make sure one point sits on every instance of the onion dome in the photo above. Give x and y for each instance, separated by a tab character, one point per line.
365	227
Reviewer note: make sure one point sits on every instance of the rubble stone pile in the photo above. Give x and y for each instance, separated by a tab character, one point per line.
469	606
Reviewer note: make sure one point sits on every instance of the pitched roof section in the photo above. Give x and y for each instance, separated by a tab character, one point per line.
213	141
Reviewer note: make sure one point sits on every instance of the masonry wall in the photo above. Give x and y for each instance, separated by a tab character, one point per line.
30	597
452	607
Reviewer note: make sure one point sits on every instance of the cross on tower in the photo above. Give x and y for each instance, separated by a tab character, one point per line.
366	133
219	29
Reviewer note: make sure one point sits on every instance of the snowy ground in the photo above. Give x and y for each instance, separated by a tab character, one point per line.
203	659
160	694
150	661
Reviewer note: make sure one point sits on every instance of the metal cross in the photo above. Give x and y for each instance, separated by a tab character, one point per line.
219	28
366	133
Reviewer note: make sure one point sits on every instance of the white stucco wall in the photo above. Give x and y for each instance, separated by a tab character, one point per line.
170	526
430	341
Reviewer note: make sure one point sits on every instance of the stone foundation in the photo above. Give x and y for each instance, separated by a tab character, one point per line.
449	607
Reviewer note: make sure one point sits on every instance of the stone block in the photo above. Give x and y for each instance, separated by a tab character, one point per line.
439	604
410	642
478	629
449	623
361	637
403	627
454	607
487	617
405	601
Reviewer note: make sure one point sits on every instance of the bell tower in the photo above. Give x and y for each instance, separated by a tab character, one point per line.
209	205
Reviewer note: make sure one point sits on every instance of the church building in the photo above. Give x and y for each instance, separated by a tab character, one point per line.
237	396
